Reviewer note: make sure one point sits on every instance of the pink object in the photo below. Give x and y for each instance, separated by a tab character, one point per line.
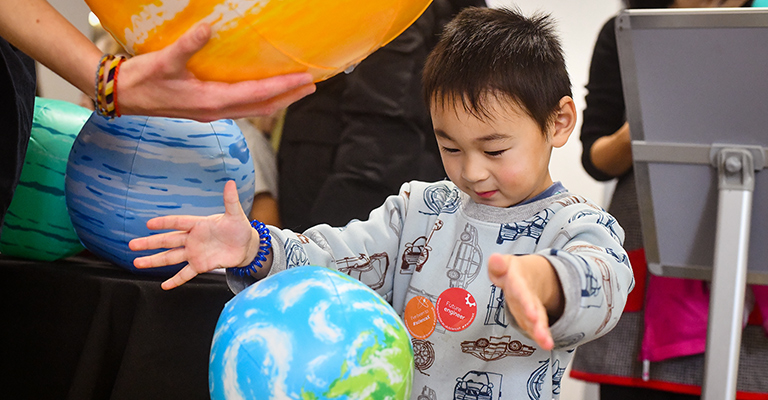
761	302
676	313
675	318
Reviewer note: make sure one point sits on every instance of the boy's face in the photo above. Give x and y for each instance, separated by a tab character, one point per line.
499	162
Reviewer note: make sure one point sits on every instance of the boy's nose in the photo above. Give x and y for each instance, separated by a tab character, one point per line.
474	171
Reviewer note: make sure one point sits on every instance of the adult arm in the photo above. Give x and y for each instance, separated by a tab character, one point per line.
156	83
605	139
612	154
37	29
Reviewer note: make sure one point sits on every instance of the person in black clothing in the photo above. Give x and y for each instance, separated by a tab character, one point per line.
17	103
613	360
362	134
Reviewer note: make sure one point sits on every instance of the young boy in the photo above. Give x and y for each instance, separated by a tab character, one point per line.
500	100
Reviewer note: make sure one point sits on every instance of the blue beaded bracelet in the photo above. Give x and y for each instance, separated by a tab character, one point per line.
265	242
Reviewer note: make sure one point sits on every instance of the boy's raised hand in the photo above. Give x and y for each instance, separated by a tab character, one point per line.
205	243
531	290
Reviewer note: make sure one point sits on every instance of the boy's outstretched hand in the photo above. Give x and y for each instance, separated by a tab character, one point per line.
532	292
205	243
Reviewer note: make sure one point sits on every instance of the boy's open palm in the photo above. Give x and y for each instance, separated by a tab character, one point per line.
522	278
205	243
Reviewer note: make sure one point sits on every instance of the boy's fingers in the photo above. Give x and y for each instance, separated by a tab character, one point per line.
168	257
497	265
536	328
175	222
182	277
524	305
139	244
544	337
231	200
539	329
168	240
497	269
147	261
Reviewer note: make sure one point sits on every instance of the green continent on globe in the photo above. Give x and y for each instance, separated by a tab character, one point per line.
380	369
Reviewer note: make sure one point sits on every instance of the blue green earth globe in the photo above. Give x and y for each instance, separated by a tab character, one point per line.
310	333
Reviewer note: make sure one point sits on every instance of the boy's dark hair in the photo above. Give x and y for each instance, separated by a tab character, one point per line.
498	53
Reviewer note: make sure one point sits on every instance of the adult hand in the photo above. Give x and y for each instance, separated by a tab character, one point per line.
530	288
205	243
159	84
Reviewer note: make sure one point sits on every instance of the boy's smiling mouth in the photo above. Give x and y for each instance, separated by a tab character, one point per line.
486	195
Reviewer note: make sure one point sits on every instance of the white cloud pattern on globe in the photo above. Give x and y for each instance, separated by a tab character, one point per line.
310	333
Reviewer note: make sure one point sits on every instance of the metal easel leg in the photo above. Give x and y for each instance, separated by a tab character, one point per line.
729	274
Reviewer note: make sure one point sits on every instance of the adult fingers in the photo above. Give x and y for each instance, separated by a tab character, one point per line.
267	88
180	51
225	104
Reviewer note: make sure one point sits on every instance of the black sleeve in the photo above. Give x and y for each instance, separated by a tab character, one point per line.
605	111
17	106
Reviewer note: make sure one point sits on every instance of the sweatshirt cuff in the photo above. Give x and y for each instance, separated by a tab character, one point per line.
238	283
569	279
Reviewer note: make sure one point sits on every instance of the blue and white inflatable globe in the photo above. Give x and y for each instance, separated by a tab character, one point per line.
310	333
122	172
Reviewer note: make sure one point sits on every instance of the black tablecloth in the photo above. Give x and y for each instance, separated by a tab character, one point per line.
81	328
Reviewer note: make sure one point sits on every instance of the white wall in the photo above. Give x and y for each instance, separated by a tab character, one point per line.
578	24
51	85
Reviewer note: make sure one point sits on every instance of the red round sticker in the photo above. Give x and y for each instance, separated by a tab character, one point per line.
456	309
420	317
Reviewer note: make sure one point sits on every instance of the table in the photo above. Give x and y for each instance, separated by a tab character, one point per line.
83	328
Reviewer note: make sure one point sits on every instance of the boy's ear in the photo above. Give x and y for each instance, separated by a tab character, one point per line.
564	122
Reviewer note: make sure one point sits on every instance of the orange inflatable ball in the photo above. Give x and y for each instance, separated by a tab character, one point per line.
255	39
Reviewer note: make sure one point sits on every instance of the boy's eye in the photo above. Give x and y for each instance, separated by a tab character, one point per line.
495	153
450	150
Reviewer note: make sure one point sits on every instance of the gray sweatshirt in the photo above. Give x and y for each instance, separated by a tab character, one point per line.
425	251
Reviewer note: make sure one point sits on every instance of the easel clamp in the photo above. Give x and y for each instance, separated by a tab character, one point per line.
736	166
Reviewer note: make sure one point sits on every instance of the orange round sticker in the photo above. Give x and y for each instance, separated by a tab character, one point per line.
420	317
456	309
